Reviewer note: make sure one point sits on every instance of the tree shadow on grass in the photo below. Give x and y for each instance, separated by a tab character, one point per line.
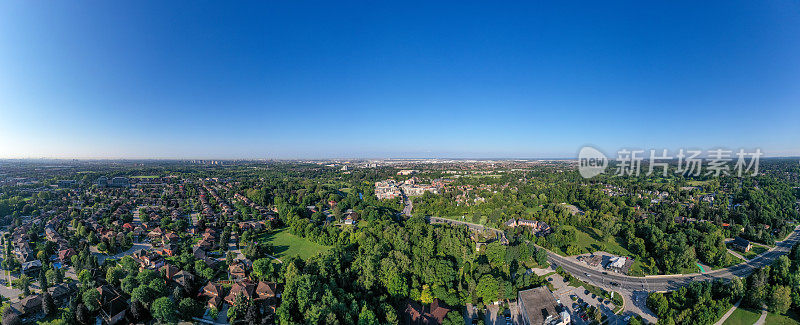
278	251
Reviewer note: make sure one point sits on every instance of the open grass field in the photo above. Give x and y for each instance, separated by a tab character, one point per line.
743	316
286	245
697	183
790	318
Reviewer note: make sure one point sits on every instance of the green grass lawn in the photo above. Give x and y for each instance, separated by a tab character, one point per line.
532	210
743	316
733	261
696	183
589	240
789	318
284	244
754	251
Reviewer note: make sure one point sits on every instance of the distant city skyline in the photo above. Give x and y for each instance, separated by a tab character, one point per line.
298	80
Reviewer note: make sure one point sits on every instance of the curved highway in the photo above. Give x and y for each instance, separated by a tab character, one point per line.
669	282
651	282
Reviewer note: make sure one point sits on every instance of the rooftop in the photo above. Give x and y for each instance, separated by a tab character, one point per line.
538	304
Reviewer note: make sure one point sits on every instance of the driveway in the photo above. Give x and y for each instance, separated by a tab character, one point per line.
513	308
469	314
491	317
9	292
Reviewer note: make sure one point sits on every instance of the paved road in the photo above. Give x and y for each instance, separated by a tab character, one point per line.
473	226
671	282
469	314
636	288
408	205
652	282
101	257
491	317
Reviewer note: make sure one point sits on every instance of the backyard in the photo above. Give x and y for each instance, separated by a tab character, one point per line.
757	249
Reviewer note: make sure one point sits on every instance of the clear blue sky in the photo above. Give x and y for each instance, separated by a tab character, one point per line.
291	79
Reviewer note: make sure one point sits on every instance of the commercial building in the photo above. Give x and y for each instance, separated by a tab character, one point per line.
620	264
538	306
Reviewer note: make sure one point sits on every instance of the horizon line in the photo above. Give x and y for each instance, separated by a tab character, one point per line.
338	158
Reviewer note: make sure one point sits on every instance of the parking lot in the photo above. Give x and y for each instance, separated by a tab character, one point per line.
575	300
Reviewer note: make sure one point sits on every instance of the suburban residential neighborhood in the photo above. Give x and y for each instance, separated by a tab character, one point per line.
82	245
399	163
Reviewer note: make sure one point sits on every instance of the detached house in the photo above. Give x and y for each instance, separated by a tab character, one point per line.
28	306
417	314
238	270
64	255
112	305
244	288
31	267
214	294
261	293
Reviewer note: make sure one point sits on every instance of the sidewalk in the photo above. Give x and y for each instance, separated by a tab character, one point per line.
762	320
728	314
737	255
